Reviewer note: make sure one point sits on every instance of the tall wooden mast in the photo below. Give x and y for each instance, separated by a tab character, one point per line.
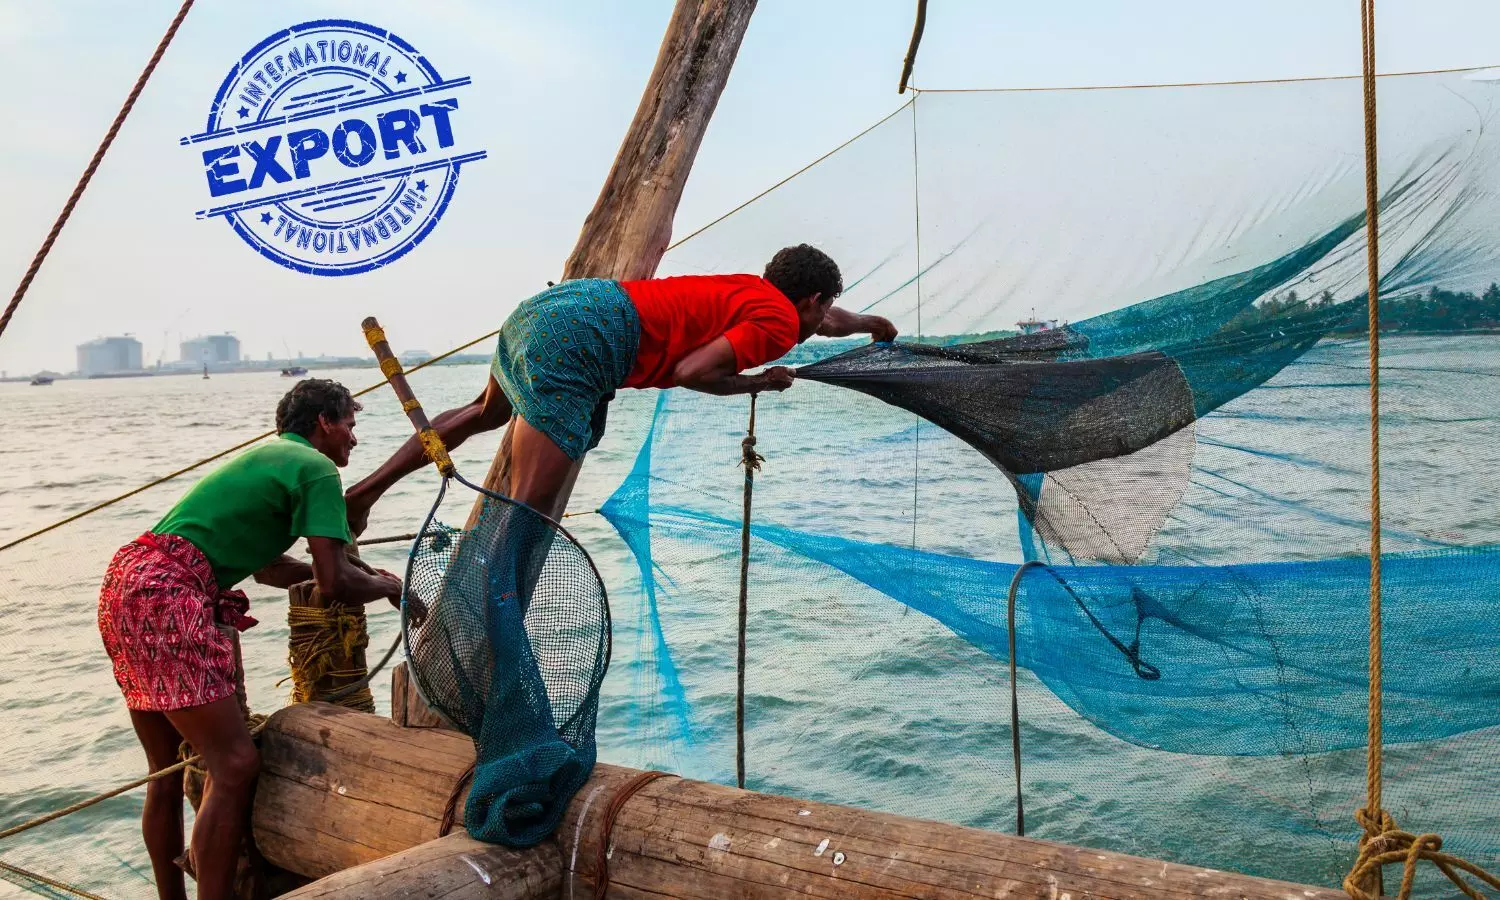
630	226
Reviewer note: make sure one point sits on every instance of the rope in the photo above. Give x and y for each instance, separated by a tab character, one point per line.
606	837
692	234
255	728
49	882
911	50
450	809
1383	843
93	166
1193	84
1390	845
389	539
1015	702
751	461
1373	807
916	215
320	639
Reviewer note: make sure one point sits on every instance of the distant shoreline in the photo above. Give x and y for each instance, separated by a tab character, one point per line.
471	359
466	359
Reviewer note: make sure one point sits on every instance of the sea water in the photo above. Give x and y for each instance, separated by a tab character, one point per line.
853	698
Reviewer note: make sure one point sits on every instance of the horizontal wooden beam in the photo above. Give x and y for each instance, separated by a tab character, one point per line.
341	789
455	867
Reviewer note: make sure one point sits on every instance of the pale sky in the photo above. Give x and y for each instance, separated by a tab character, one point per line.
555	85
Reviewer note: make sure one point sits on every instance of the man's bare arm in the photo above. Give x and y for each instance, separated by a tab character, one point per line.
340	581
843	323
489	411
712	369
284	572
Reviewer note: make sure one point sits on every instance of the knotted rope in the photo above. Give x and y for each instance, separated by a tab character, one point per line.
322	644
1383	843
751	461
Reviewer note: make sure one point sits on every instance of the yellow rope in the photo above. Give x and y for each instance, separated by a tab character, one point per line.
1383	843
327	636
436	450
1372	266
374	334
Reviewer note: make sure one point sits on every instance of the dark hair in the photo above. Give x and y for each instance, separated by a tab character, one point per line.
804	270
298	411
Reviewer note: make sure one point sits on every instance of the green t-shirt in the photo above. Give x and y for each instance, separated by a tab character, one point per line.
250	511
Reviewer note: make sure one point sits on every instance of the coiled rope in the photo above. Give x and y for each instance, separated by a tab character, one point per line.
1383	843
320	637
93	166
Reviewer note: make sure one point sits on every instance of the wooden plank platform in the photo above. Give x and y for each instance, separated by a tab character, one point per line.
341	789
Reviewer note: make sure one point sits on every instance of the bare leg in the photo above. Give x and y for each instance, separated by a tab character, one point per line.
217	731
487	412
161	822
540	470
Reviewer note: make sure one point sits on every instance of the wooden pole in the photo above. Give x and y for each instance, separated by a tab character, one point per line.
455	867
341	789
630	226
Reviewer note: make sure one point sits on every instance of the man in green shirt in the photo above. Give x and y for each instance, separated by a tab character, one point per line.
167	607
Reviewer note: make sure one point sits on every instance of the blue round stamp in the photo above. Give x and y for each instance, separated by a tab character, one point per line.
333	147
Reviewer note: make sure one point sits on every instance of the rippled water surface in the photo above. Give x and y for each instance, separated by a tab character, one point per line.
852	722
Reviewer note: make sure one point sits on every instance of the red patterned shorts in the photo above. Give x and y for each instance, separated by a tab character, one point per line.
159	614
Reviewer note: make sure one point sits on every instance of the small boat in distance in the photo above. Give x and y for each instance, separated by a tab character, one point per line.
293	371
41	379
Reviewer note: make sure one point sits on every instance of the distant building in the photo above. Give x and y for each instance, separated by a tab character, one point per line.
111	354
212	349
413	357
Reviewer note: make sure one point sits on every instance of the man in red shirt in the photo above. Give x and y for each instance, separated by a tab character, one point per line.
563	353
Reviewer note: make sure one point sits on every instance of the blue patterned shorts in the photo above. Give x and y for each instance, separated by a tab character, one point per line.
561	356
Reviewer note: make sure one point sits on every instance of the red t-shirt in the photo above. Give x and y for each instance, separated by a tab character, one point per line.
679	315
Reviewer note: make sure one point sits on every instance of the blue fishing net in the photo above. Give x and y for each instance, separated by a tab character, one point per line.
1187	459
507	630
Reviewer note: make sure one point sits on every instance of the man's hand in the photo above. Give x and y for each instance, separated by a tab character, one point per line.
391	586
345	581
393	589
778	378
839	323
880	328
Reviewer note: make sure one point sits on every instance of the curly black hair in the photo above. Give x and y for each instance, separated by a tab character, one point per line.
804	270
298	411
